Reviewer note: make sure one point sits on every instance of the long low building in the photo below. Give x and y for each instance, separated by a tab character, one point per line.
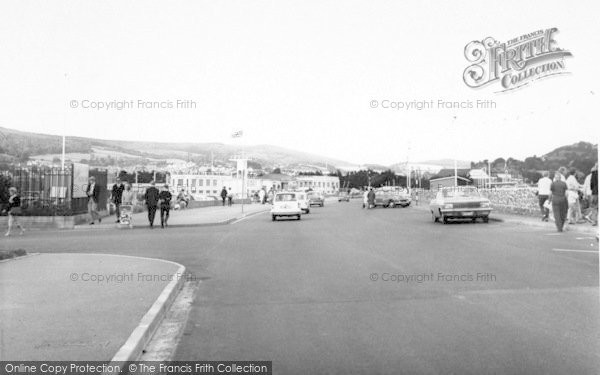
211	184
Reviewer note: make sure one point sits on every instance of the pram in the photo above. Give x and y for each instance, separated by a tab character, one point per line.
126	216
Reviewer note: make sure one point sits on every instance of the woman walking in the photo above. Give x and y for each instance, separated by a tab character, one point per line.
560	205
14	209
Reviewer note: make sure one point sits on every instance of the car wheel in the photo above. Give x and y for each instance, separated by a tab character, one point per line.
474	220
308	211
274	217
299	217
486	219
445	219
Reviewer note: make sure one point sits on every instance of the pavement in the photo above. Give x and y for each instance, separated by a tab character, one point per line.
191	217
80	306
383	291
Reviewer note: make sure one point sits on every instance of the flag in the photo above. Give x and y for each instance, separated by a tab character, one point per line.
237	134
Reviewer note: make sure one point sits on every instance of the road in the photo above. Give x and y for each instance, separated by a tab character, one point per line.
316	296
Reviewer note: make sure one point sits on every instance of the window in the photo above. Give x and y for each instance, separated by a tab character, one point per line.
193	182
285	197
200	182
207	182
180	181
215	183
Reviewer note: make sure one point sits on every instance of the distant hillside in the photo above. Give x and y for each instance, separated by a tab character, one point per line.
25	145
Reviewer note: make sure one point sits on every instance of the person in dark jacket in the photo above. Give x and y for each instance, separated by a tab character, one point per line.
224	194
13	210
116	197
151	198
165	197
371	198
560	205
93	193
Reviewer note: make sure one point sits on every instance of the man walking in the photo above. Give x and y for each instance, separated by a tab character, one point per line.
151	198
224	195
165	205
93	193
371	198
543	194
559	201
116	197
229	197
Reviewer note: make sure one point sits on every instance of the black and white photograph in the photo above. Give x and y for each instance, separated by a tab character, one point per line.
299	187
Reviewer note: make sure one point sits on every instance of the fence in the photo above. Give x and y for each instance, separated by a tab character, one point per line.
48	191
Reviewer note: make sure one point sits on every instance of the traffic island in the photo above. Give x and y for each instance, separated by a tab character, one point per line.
83	306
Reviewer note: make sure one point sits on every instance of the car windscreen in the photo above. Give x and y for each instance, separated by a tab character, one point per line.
285	197
460	193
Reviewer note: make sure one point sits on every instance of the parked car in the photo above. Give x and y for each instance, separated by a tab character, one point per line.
460	203
303	199
391	198
343	197
286	204
316	199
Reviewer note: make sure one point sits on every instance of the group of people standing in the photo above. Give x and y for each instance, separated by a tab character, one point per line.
227	195
564	195
369	198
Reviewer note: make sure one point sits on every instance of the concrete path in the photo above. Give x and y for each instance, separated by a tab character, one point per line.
190	217
75	306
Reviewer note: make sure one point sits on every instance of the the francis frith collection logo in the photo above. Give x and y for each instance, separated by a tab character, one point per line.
514	63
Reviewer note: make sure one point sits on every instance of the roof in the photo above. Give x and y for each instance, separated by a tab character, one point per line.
449	178
449	172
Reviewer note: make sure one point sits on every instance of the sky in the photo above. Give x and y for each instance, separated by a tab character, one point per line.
314	76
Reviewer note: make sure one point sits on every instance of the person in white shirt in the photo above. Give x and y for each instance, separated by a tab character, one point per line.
543	194
574	213
365	198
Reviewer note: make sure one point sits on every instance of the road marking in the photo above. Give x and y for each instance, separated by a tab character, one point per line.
577	251
554	234
584	238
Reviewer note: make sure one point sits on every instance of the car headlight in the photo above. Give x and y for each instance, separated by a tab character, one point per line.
448	205
485	204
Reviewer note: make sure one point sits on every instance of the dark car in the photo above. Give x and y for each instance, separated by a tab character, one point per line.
343	197
316	199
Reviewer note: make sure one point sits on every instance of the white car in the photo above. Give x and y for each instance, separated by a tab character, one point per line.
286	204
303	199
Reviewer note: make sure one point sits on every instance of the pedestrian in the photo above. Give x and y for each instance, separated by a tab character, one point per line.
116	197
128	196
371	197
594	196
13	210
261	195
559	201
224	195
543	193
365	198
151	198
573	186
182	200
416	197
165	205
229	197
93	193
128	199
